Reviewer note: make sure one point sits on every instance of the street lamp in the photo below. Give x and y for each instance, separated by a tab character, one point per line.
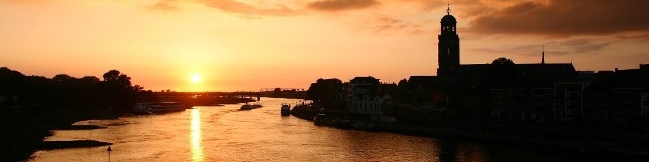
109	150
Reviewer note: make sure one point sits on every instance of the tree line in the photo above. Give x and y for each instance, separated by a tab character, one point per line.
114	92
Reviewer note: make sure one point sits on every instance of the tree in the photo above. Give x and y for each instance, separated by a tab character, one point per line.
324	91
118	90
503	61
404	91
63	78
111	75
89	80
115	78
502	72
10	81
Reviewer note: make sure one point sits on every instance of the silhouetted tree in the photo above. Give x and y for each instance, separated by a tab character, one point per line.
117	86
404	91
10	81
503	61
66	92
324	91
502	72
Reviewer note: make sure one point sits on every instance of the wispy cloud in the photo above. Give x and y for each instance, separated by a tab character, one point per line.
164	5
583	45
232	6
250	10
340	5
564	47
389	24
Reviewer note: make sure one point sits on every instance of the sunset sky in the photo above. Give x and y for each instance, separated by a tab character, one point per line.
228	45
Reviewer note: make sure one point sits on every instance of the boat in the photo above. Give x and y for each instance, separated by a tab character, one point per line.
319	118
286	109
162	107
159	107
246	106
142	108
255	105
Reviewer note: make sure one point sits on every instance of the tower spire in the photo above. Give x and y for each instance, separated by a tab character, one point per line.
543	56
448	7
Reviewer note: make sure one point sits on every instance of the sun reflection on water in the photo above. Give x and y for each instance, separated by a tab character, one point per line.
195	136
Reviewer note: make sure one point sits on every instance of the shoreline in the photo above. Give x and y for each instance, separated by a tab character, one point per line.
519	138
77	127
25	131
51	145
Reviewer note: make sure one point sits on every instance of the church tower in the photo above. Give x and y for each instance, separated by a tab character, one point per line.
448	54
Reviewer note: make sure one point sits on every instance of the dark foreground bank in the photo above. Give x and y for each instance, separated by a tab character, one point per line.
22	131
622	147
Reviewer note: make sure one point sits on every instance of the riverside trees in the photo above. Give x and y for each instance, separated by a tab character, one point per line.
324	91
63	92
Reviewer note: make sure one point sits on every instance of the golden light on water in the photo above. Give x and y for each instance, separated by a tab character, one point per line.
195	137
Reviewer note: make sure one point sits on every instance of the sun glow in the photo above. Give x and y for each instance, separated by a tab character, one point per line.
196	78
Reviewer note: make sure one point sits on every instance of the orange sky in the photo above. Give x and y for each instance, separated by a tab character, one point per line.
252	44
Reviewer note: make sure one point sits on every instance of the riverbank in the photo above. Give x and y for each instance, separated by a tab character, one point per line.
23	130
620	146
50	145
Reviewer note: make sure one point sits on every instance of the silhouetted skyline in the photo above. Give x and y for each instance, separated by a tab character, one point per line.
248	45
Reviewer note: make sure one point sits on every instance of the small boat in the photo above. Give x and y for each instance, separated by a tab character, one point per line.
159	107
246	106
162	107
256	105
319	118
286	109
142	108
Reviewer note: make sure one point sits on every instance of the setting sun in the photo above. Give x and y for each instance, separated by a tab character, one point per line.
196	78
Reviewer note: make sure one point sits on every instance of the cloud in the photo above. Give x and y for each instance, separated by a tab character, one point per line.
231	6
634	36
384	23
340	5
564	18
164	5
564	47
249	10
584	45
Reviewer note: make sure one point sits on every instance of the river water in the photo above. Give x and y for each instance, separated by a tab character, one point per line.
224	133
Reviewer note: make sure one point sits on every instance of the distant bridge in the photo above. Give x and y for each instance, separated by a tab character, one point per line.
297	93
238	94
282	89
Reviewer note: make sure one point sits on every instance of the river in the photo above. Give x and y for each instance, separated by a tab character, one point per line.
224	133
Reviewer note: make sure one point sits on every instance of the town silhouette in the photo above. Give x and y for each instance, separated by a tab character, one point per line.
543	105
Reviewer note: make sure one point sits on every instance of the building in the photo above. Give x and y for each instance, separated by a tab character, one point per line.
448	57
524	94
528	105
365	96
614	99
569	100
